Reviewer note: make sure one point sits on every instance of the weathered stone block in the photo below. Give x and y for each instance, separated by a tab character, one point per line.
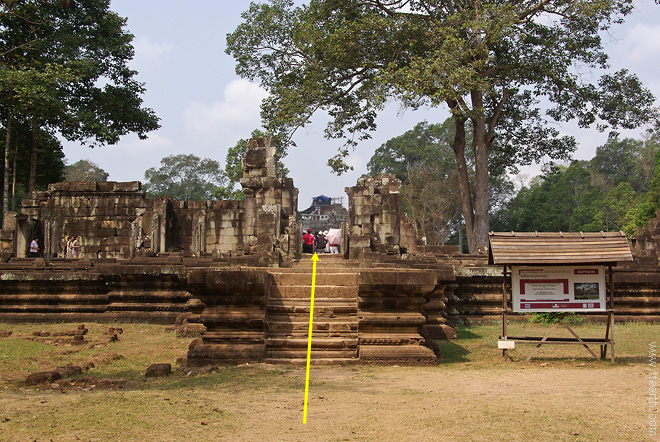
360	241
42	377
131	186
158	370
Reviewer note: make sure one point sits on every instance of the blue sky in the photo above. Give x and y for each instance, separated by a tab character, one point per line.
205	108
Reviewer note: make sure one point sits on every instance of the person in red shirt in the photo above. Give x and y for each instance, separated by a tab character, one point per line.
308	242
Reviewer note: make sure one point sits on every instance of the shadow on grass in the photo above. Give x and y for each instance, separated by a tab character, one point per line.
464	333
631	359
451	352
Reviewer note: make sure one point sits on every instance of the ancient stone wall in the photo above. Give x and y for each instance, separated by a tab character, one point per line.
270	204
645	245
115	220
102	214
375	221
205	227
32	290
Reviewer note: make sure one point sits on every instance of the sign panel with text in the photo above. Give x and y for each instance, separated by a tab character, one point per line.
558	288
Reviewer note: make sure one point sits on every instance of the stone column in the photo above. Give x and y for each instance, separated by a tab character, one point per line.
51	239
270	202
199	234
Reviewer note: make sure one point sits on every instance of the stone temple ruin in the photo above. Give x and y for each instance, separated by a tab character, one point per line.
116	221
234	271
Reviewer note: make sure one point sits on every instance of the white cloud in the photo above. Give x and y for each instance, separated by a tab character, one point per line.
357	162
642	43
136	147
239	106
145	47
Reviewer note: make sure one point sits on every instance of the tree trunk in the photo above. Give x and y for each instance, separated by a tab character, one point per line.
13	178
480	145
33	156
460	236
5	182
464	181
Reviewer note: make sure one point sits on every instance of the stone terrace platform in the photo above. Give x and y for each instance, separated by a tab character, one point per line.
379	315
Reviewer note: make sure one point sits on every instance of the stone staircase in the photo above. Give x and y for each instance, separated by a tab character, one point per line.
335	326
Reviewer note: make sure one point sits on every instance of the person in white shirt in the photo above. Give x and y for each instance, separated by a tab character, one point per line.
34	248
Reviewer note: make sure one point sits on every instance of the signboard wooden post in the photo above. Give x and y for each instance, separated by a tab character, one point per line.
558	273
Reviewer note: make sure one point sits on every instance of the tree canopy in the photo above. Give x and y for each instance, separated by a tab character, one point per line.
489	62
423	159
85	170
64	68
185	177
593	195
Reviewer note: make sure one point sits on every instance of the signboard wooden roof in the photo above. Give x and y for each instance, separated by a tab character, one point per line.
519	248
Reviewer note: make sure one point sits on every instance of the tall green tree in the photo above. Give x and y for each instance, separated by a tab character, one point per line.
612	207
425	144
648	205
185	177
26	91
95	99
488	61
619	161
49	167
562	199
423	159
85	170
565	198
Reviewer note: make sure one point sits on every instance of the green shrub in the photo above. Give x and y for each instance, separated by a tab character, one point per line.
547	318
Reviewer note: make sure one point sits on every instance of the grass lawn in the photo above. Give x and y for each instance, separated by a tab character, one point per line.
471	395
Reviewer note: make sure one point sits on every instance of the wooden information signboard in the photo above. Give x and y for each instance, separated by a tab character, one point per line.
558	273
558	288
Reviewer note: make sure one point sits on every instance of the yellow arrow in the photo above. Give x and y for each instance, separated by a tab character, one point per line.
315	258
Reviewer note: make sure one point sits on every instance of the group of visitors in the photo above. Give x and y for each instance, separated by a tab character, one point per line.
322	242
73	245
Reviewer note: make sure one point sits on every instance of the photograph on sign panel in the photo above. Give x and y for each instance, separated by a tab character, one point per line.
586	291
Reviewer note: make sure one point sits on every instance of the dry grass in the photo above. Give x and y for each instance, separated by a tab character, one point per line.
472	395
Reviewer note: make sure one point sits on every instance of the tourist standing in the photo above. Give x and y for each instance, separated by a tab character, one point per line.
34	248
76	247
320	242
69	246
334	239
308	242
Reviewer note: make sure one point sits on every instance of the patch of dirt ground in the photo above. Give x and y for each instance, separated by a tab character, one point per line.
515	402
523	403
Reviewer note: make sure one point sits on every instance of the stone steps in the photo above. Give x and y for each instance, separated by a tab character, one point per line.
299	330
317	361
324	343
324	277
325	259
287	353
322	311
335	326
305	292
